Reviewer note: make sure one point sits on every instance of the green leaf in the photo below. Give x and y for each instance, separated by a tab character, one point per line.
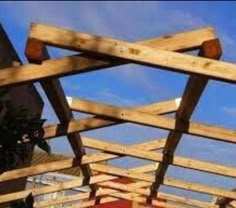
29	201
42	144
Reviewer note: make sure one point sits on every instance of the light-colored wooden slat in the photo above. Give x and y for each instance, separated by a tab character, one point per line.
223	202
127	196
129	188
99	122
185	41
146	192
122	149
54	188
80	63
64	185
103	178
192	93
72	198
138	150
167	181
157	157
72	162
125	114
134	52
233	203
100	192
57	98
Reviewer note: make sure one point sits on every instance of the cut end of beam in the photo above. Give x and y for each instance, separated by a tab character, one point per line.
69	100
178	101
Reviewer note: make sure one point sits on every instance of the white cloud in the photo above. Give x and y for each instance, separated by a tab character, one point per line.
229	110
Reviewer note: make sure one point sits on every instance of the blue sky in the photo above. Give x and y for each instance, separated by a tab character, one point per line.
133	85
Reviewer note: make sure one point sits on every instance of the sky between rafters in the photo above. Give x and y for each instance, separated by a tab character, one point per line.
135	85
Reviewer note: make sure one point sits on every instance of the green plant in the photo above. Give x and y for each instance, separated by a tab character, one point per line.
18	130
26	203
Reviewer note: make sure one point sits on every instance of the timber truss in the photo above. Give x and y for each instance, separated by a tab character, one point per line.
97	53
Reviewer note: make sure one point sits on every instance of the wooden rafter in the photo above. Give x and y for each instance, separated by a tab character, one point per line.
132	52
116	151
125	114
104	177
135	187
158	157
68	185
73	162
192	93
167	181
57	98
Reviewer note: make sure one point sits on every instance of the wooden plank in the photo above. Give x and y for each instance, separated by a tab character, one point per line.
125	114
122	149
157	157
138	150
129	188
100	122
54	188
127	196
136	53
146	192
73	162
192	93
223	201
64	185
57	98
185	41
167	181
80	63
121	172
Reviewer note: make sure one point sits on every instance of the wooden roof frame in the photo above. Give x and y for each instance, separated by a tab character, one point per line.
165	53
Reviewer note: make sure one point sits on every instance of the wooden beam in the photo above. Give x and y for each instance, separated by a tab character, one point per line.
112	192
66	185
73	162
167	181
121	172
157	157
121	196
185	41
192	93
100	192
54	188
223	201
146	192
136	53
55	94
100	122
80	63
125	114
134	187
116	151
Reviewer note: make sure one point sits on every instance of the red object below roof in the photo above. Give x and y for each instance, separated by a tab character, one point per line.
122	203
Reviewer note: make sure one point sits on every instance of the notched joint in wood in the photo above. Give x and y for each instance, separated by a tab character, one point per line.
36	51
